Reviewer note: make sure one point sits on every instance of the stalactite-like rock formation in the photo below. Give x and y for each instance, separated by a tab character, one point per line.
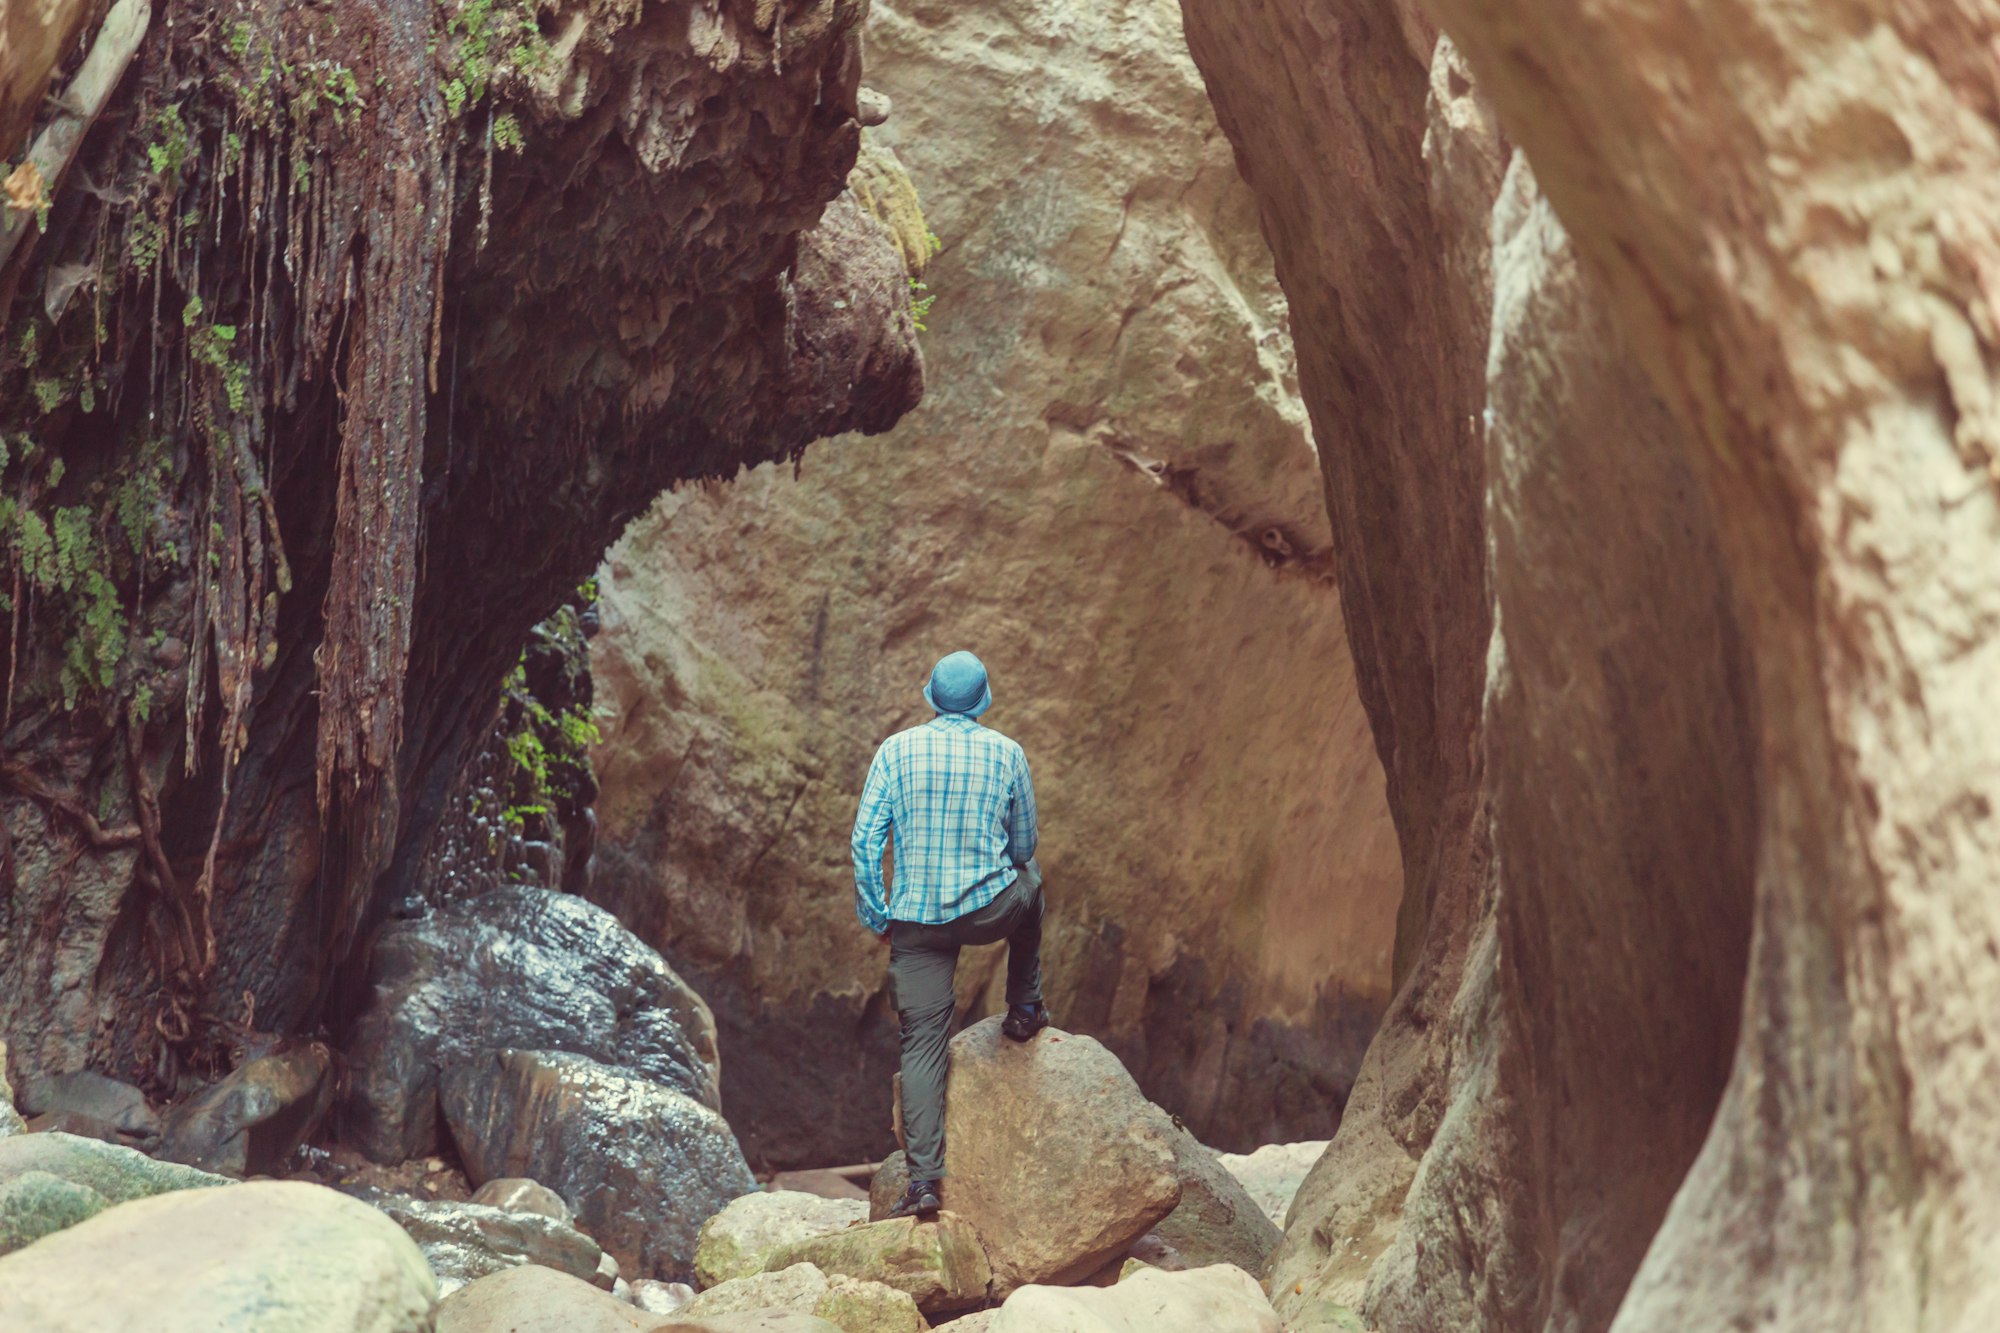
351	339
1729	408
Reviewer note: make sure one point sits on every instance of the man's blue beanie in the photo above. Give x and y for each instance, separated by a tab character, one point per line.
958	685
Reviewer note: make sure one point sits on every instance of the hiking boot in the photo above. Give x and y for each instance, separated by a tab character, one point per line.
920	1199
1025	1020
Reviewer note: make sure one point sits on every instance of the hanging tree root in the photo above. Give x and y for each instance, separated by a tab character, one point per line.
24	781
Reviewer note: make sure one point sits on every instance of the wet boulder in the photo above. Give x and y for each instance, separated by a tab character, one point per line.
253	1120
938	1262
1052	1154
516	968
269	1254
1217	1299
52	1181
463	1242
741	1239
645	1164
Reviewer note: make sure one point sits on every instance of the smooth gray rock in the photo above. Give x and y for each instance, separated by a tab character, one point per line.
517	968
49	1182
646	1164
95	1097
518	1194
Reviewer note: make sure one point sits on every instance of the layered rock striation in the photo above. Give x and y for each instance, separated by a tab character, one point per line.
1111	494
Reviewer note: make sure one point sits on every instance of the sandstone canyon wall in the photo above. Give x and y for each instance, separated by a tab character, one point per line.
1110	493
1738	527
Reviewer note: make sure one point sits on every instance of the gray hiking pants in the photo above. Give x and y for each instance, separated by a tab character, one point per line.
922	962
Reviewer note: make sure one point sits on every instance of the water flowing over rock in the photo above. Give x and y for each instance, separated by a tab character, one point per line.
268	1254
522	968
642	1164
1111	494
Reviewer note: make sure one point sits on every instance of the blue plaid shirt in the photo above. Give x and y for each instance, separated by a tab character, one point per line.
957	795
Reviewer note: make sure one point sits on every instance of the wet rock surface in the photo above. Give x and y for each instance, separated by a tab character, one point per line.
517	967
49	1181
939	1262
254	1118
1052	1154
266	1254
517	1194
645	1163
739	1240
465	1241
1219	1299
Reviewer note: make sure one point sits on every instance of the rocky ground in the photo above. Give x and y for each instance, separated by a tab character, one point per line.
499	1169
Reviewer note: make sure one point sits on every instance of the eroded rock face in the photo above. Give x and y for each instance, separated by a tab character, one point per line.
1715	462
1111	494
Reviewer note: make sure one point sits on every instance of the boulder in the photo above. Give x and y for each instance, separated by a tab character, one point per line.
252	1121
52	1181
278	1255
1052	1154
532	1299
740	1240
851	1304
646	1163
977	1322
890	1180
939	1263
86	1097
1216	1221
518	1194
828	1184
463	1242
657	1297
10	1118
516	968
1273	1173
1217	1299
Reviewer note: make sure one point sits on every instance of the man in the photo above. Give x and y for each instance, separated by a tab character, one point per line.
958	799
